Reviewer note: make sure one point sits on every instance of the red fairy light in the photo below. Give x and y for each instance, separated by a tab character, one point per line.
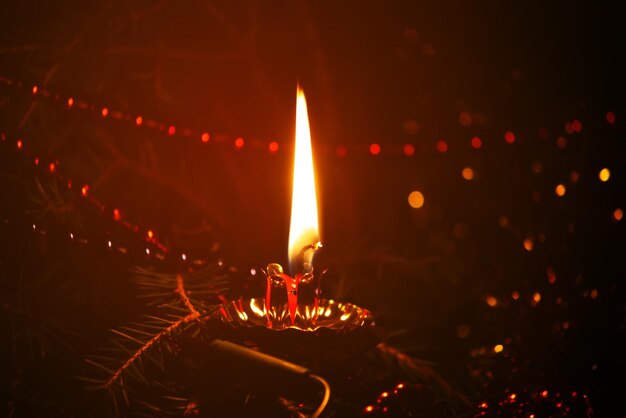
408	150
171	130
70	102
116	214
138	120
52	167
375	149
273	146
105	112
509	137
205	137
442	146
239	142
476	142
610	117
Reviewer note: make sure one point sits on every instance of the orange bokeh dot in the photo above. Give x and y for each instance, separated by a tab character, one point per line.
116	214
442	146
560	190
70	102
408	150
34	89
205	137
509	137
150	234
375	149
604	174
341	151
52	167
138	120
491	301
273	146
239	142
84	190
416	199
477	142
105	112
610	117
468	173
19	144
618	214
529	244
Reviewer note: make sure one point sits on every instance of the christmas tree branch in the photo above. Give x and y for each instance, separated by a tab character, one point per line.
147	346
180	289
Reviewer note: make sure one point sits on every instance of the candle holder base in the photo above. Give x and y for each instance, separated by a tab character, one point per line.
325	314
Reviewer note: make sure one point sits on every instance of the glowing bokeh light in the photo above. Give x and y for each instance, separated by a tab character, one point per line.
509	137
468	173
560	190
529	245
604	174
476	142
465	119
416	199
375	149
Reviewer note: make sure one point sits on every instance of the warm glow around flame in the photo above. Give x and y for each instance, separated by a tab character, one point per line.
304	228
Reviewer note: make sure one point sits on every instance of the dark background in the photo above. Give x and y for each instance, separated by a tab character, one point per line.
370	70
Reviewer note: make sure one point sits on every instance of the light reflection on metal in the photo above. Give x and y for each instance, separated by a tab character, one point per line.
341	317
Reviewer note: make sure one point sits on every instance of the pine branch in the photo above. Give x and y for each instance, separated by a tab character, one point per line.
180	289
116	375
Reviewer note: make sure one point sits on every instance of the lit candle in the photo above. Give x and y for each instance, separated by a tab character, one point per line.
304	237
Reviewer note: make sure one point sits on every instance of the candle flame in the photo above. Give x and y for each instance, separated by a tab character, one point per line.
304	228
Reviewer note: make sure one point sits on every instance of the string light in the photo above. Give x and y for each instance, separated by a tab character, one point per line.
375	149
410	126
